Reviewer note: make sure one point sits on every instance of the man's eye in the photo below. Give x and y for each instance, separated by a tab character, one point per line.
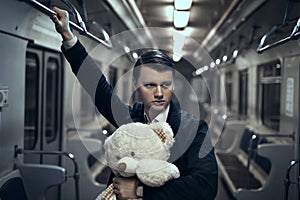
166	85
149	85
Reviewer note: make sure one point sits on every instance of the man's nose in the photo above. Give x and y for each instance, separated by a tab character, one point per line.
158	91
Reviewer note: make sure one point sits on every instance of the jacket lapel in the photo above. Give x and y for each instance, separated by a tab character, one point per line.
137	115
174	117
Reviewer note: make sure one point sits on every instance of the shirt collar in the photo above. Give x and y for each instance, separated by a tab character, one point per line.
161	117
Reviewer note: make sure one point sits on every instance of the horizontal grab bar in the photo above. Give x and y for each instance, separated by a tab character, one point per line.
44	9
293	36
291	135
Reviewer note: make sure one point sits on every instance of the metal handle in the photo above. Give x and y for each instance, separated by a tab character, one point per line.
287	181
80	28
56	153
293	36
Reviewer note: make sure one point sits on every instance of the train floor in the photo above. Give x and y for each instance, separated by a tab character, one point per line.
223	192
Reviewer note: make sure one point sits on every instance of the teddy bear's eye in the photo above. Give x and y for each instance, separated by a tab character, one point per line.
132	154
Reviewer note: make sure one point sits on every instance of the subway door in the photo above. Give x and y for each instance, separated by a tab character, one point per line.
33	100
52	106
290	110
52	113
43	107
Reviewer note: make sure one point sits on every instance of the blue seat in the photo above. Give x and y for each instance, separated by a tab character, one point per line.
249	146
13	189
254	168
40	177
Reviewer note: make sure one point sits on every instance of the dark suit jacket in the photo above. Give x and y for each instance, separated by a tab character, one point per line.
192	152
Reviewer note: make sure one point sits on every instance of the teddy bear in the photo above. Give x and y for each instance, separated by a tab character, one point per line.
141	150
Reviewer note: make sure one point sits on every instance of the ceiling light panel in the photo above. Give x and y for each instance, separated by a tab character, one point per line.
183	4
181	18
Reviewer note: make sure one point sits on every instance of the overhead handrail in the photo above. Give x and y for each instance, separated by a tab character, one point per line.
295	34
77	15
80	27
93	23
100	29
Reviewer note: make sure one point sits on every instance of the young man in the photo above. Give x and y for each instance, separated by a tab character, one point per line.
154	80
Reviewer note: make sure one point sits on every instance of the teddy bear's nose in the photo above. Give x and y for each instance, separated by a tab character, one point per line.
122	167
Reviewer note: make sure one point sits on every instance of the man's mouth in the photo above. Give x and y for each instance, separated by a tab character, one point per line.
159	102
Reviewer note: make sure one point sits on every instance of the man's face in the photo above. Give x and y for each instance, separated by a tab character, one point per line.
155	88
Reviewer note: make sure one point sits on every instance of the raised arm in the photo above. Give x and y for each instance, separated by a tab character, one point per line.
89	74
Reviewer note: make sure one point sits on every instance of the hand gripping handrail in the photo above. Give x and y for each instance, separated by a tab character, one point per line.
80	26
77	15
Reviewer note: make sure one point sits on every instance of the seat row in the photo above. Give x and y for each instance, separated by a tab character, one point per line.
252	165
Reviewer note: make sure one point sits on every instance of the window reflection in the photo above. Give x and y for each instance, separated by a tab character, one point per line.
269	94
31	100
228	89
42	93
243	102
51	99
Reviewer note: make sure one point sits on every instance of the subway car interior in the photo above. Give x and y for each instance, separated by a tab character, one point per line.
239	59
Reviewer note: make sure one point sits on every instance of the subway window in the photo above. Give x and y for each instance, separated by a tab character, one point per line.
269	83
43	89
243	94
228	89
31	100
52	81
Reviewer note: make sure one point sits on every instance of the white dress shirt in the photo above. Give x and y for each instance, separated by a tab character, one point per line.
161	117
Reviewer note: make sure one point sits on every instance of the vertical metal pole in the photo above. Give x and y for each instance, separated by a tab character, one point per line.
0	119
298	139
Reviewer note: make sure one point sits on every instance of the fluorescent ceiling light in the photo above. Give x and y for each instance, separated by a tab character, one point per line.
183	4
178	43
178	37
176	57
181	18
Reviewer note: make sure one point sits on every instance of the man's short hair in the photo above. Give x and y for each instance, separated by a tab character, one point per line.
155	59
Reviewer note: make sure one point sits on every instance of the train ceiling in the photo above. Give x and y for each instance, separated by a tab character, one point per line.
212	23
204	14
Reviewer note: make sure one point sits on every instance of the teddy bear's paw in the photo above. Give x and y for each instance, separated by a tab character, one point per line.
127	166
155	173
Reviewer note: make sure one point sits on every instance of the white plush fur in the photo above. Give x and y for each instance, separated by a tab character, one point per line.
155	172
137	146
138	141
